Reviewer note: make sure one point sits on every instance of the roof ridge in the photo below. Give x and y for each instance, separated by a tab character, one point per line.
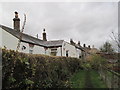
20	32
56	40
30	39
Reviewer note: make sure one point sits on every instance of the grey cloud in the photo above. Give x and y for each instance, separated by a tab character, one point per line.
90	23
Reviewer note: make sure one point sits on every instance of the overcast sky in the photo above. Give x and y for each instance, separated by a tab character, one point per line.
88	22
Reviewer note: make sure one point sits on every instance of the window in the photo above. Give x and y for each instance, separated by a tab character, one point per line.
54	51
23	47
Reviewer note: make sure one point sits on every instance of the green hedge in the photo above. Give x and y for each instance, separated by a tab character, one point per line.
36	71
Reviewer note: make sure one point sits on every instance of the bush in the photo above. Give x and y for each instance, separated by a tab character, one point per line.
36	71
96	61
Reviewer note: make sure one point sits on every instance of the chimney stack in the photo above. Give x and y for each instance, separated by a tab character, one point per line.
71	42
16	22
84	45
37	35
89	46
79	43
44	35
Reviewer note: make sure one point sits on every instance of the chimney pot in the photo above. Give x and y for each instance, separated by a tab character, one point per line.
37	35
89	46
79	43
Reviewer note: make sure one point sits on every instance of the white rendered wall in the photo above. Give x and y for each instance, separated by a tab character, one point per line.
25	50
9	41
59	51
38	50
78	52
48	51
71	50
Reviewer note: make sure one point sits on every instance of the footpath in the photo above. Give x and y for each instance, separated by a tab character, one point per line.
87	79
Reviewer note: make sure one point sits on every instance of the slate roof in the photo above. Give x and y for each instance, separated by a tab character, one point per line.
53	43
79	47
30	39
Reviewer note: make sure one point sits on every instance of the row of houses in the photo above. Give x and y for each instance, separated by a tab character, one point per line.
29	44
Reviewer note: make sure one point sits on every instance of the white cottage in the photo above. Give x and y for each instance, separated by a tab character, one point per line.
29	44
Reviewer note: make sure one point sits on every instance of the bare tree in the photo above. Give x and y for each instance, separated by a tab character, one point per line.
21	31
116	38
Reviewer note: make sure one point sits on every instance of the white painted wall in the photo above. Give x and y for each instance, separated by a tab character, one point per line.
38	50
71	50
59	51
9	41
79	52
48	51
26	45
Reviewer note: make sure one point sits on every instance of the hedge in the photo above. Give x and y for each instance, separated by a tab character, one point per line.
20	70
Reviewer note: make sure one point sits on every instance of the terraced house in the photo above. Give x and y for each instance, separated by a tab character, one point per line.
29	44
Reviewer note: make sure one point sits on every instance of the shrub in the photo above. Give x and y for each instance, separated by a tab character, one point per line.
36	71
96	61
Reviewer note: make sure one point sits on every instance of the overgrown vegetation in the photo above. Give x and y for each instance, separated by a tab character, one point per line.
97	60
36	71
94	62
107	47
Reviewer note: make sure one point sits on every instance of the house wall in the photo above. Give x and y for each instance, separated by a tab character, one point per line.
9	41
71	50
26	45
79	53
59	51
48	51
38	50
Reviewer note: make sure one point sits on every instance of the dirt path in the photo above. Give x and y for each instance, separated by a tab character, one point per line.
88	82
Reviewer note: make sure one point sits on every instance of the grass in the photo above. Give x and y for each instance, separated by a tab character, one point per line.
96	80
78	79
